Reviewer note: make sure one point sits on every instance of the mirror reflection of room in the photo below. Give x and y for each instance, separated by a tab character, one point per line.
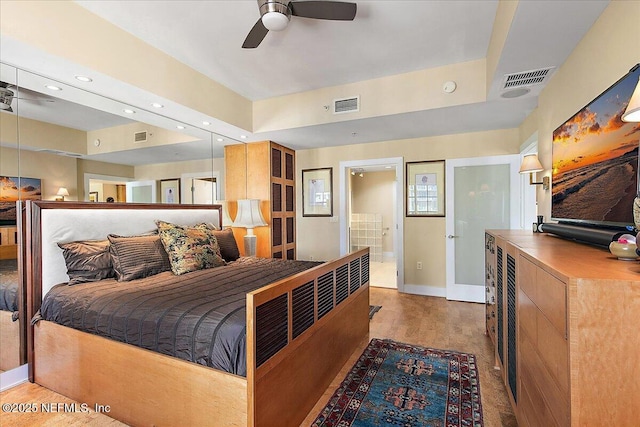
71	145
12	324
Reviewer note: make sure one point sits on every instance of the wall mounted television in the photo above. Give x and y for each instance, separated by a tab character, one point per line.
595	161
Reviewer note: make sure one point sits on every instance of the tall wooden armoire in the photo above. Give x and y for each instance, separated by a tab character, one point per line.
265	171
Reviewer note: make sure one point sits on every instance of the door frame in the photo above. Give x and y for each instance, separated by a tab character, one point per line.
461	292
89	176
344	190
185	183
144	183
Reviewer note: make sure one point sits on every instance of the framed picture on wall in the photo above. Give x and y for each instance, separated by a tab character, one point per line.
317	192
170	191
12	189
425	188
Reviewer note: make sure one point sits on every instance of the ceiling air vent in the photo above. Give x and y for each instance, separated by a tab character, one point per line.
140	137
346	105
527	78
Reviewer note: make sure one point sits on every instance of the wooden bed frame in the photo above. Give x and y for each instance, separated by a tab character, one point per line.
300	332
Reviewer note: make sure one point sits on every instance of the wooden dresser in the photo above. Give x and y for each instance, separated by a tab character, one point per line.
565	329
265	171
8	242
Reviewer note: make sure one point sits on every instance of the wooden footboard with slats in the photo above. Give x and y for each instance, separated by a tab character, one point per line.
300	332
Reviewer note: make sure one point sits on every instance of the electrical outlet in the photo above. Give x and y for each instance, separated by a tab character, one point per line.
419	265
310	257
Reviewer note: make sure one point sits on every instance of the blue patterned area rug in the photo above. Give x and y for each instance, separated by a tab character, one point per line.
395	384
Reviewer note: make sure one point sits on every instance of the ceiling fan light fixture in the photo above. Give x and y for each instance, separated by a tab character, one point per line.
6	97
275	21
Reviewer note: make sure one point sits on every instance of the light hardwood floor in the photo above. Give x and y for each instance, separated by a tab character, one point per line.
427	321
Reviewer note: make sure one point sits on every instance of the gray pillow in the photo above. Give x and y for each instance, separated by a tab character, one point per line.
134	257
87	261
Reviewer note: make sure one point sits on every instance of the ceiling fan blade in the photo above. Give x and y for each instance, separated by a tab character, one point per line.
255	36
333	10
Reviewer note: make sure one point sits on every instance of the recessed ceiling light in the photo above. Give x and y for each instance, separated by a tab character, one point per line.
243	136
387	167
220	139
84	79
180	127
206	123
157	105
52	87
128	111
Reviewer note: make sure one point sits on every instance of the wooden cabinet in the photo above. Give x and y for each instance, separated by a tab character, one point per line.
265	171
576	361
8	242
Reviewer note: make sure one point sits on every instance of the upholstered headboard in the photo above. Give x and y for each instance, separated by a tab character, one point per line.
54	222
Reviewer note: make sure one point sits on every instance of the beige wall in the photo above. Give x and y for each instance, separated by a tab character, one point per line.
604	55
402	93
41	135
372	193
100	168
120	138
176	169
54	171
424	238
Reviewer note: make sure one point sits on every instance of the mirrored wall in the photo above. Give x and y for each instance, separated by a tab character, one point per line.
66	143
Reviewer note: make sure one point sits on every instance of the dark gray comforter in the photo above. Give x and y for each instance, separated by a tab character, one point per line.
199	316
9	285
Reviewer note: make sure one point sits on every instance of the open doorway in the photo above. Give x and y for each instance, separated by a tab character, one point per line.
371	216
105	188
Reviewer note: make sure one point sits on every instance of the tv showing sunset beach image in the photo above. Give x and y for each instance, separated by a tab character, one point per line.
13	189
595	161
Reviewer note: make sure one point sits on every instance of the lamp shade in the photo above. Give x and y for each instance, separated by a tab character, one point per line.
530	163
249	215
62	191
632	113
226	218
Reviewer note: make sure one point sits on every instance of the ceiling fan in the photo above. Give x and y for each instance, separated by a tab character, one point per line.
275	15
7	96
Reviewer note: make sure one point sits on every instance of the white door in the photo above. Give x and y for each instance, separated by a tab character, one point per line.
141	191
481	193
203	191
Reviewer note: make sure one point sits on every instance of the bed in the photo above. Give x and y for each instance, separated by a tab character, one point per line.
300	330
9	324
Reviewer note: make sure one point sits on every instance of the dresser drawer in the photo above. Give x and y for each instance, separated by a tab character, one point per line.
547	292
551	299
550	401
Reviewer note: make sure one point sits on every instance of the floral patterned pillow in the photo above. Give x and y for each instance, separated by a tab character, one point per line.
189	248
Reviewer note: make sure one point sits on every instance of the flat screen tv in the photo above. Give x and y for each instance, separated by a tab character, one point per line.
595	161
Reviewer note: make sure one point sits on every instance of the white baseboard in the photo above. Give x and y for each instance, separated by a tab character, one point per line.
431	291
14	377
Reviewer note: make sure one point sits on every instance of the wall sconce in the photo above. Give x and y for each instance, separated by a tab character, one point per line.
632	113
62	192
531	164
249	217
